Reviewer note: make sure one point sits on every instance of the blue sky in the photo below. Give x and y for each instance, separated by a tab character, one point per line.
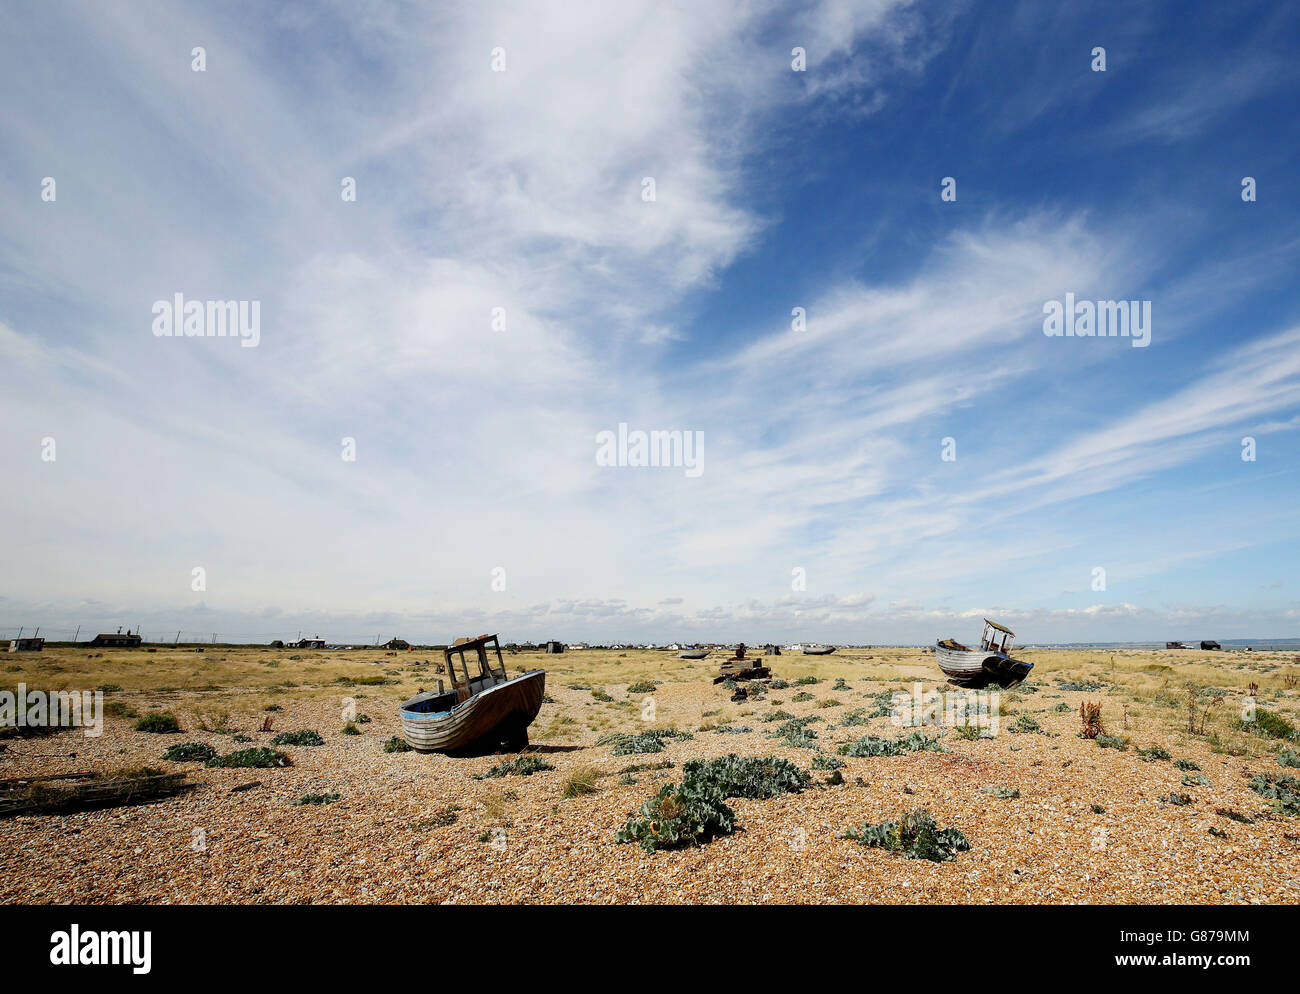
522	189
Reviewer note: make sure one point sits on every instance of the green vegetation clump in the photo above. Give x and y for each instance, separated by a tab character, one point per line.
158	722
796	735
778	685
800	697
695	811
1289	757
748	776
1283	791
1111	742
840	684
316	799
1024	725
823	762
1153	753
642	687
306	737
778	715
687	814
601	696
397	744
1086	686
260	758
351	729
190	752
807	681
871	745
1185	764
520	766
642	742
916	835
858	716
1178	800
1272	724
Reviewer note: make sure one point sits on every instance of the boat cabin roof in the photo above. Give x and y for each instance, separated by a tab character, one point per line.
994	624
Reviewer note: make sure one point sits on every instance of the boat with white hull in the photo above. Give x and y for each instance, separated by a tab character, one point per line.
990	663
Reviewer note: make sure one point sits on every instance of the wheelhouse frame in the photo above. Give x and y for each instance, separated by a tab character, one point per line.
466	683
996	638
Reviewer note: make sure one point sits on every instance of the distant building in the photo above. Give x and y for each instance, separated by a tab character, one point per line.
396	643
577	645
312	643
554	646
1175	645
1208	644
672	647
116	640
32	644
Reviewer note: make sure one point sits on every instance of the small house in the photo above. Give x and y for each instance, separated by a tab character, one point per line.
554	646
32	644
311	643
396	643
116	640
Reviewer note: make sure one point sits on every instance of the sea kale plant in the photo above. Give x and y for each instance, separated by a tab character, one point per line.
520	766
916	835
306	737
695	811
871	745
1283	791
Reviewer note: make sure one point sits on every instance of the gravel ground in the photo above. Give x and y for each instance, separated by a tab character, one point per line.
382	841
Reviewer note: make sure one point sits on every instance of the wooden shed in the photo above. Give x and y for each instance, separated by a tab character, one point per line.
396	643
554	646
32	644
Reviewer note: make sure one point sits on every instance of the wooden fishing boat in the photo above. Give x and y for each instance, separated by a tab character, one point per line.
990	663
692	653
482	709
818	650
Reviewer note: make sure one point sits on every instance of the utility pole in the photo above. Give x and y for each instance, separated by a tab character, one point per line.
78	635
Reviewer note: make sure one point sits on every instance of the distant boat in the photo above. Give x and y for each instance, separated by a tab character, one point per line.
693	654
818	650
990	663
480	710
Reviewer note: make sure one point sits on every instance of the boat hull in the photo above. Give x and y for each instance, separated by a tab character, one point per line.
500	714
825	650
693	654
979	667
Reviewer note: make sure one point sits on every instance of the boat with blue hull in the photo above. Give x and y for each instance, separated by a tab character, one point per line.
483	709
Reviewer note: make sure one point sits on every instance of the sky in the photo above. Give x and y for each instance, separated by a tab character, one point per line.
819	239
